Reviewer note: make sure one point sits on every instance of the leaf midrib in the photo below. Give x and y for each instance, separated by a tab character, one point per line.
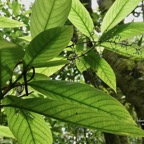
116	16
80	102
81	20
51	10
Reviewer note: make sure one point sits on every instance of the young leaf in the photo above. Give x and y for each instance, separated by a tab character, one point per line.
5	132
124	31
48	14
27	127
102	69
9	23
77	113
81	19
48	45
84	95
117	12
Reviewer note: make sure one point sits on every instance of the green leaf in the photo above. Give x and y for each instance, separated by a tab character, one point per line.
124	31
48	45
78	113
102	69
83	94
117	12
81	64
26	38
48	14
9	23
81	19
133	52
53	62
5	132
10	55
98	65
27	127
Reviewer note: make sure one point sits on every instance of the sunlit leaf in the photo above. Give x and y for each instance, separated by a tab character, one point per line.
26	38
131	51
81	19
5	132
78	113
48	45
9	23
124	31
48	14
102	69
27	127
83	94
117	12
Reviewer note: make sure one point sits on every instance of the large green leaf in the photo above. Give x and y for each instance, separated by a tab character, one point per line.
133	51
9	23
78	113
81	19
10	55
83	94
117	12
48	45
5	132
27	127
124	31
48	14
102	69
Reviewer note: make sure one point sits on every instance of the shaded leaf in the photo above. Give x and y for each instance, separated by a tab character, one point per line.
48	45
79	114
81	19
5	132
117	12
10	55
27	127
48	14
9	23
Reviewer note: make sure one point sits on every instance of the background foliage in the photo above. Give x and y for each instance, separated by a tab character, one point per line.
54	68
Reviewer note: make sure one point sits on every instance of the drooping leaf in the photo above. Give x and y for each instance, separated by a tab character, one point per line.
27	127
124	31
48	45
133	51
77	113
10	55
81	19
83	94
9	23
102	69
117	12
5	132
48	14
